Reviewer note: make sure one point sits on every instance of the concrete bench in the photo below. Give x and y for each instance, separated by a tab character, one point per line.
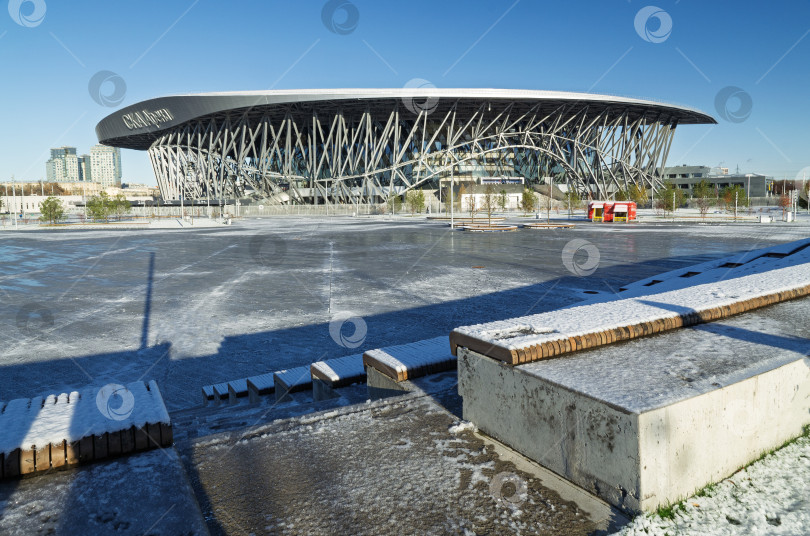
677	303
220	392
40	434
234	390
524	340
259	386
408	361
208	394
290	381
332	374
398	363
619	423
237	389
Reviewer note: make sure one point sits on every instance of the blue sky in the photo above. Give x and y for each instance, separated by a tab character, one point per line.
52	50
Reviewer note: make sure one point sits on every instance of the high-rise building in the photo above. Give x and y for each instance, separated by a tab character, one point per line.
63	166
105	165
102	165
85	168
72	167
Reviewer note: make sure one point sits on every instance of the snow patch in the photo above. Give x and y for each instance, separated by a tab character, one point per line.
463	426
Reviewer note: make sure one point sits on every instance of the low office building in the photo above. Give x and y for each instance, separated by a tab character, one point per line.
686	177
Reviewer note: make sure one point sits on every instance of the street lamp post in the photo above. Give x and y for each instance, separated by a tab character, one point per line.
795	203
736	192
452	194
14	195
568	194
234	188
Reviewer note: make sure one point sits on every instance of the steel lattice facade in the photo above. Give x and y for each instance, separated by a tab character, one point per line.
342	149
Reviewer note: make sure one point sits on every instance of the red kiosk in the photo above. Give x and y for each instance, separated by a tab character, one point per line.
611	211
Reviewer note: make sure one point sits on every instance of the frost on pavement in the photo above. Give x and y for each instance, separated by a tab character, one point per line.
146	493
387	469
768	497
187	333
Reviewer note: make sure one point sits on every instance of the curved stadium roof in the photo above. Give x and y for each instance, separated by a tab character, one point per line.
138	125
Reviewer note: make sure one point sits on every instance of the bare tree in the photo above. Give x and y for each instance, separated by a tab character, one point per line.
471	205
503	200
784	203
490	201
703	197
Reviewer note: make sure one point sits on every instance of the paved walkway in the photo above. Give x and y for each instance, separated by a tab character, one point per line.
146	493
397	466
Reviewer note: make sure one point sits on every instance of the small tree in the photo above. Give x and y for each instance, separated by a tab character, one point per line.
784	203
528	201
99	206
638	195
622	195
420	201
471	204
733	197
503	200
460	193
670	198
120	205
573	199
410	202
52	211
490	201
395	203
415	199
548	206
703	193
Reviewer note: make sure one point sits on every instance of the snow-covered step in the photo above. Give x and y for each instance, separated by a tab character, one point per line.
339	372
332	374
259	386
530	338
220	391
215	394
208	394
252	388
39	434
230	391
716	269
291	381
237	389
407	361
788	248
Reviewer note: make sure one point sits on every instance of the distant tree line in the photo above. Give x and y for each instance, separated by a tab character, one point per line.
34	188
